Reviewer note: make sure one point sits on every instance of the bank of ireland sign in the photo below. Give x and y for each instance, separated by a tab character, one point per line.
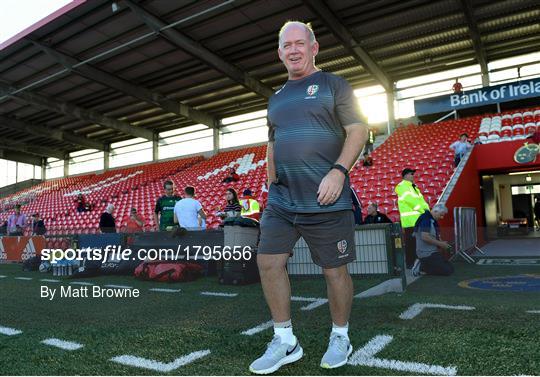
479	97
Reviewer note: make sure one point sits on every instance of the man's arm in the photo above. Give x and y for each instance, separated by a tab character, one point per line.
202	213
332	183
270	165
428	238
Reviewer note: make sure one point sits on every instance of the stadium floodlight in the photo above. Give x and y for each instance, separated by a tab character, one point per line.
114	7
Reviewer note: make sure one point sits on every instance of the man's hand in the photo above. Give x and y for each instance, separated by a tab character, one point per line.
445	245
330	187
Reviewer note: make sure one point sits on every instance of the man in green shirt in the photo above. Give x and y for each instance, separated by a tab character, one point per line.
164	212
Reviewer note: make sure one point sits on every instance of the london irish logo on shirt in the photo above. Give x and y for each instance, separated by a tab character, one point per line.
312	90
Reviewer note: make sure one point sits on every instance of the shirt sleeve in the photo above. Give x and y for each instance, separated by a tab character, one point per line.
198	205
347	107
158	206
271	130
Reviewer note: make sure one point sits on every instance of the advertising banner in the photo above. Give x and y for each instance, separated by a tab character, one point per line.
479	97
20	248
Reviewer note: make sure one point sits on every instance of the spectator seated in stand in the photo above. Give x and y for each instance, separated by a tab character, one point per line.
38	225
374	216
233	207
134	223
232	177
107	223
368	160
250	206
81	204
188	212
428	241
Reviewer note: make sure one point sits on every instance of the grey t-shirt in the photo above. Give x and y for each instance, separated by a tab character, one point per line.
427	225
305	120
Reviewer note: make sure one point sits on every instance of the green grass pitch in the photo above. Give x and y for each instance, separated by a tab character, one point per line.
499	337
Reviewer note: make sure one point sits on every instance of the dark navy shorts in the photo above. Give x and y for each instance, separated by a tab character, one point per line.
330	235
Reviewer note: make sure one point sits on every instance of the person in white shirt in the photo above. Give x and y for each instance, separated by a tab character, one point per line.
188	210
460	147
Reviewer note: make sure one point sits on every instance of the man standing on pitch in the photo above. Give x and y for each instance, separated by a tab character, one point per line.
315	137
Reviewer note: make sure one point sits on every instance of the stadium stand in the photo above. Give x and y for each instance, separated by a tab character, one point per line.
412	146
139	186
511	125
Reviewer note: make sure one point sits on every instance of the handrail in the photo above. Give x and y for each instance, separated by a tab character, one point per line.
455	176
453	112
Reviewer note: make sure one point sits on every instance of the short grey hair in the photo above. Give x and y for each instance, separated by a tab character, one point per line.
374	204
441	208
307	27
110	208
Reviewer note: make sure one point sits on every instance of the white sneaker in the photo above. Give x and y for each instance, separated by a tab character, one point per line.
276	355
338	352
416	268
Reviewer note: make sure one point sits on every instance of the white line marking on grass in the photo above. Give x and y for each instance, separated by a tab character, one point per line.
533	311
63	344
9	331
365	357
140	362
50	280
22	278
258	329
315	304
164	290
81	283
220	294
3	276
117	286
305	299
416	309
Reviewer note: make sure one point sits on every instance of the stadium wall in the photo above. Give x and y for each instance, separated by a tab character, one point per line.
500	157
466	193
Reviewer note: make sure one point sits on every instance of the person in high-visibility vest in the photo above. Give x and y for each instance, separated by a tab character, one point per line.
250	206
368	148
411	205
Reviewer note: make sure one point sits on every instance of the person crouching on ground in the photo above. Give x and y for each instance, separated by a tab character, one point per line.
428	241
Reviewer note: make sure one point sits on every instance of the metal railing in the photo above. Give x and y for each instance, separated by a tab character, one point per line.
454	178
378	252
465	232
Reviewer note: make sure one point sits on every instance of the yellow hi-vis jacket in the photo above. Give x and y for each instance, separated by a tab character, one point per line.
411	203
250	208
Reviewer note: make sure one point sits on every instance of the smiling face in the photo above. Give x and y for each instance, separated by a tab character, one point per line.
297	52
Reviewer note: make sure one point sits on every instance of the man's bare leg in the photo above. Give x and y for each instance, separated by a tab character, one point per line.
340	293
275	284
